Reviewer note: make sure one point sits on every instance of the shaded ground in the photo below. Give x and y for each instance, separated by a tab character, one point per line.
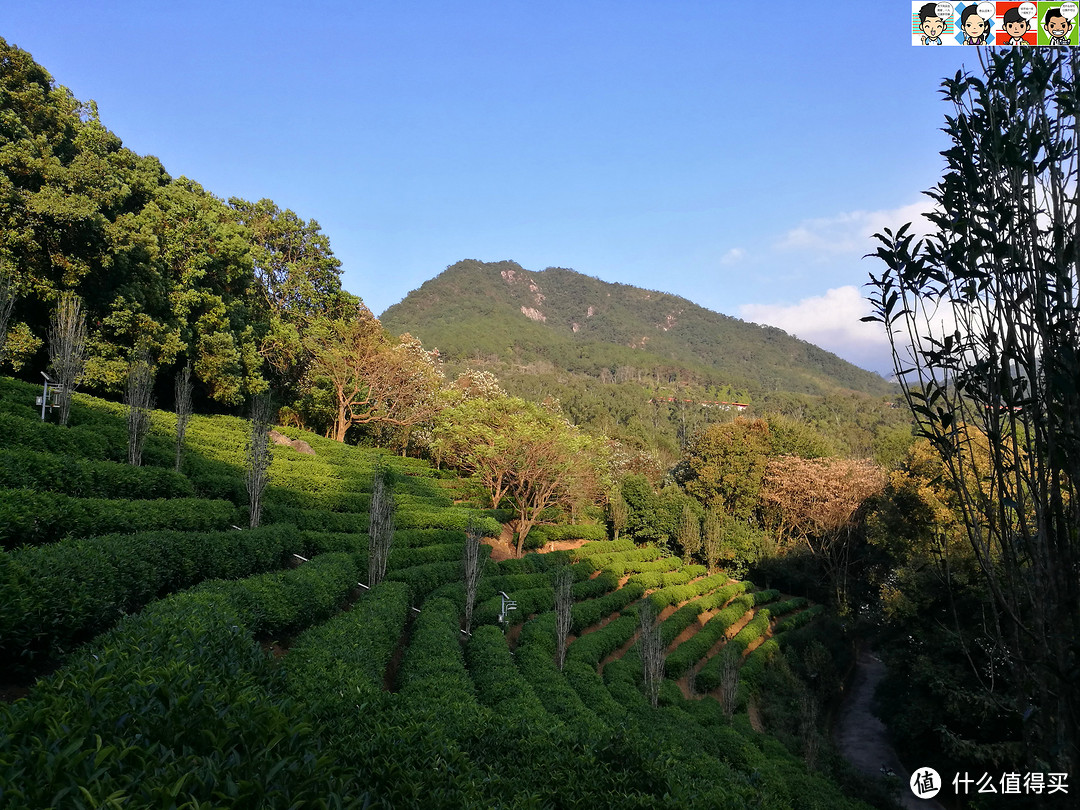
862	738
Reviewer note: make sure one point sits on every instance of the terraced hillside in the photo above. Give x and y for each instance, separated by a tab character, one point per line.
183	662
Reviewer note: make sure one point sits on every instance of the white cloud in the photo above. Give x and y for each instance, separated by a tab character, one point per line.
832	322
732	256
852	233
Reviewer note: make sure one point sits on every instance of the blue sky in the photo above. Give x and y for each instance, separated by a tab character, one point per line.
735	154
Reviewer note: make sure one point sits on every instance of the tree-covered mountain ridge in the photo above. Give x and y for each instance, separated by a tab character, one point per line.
499	311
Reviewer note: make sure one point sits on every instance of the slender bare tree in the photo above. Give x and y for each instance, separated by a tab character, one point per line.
139	399
564	602
380	526
712	537
473	565
183	410
651	645
8	294
258	457
689	534
67	349
729	679
619	513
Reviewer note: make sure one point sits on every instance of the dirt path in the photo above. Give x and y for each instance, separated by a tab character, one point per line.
862	738
503	547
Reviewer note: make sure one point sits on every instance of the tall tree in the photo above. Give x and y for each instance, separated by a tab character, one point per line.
474	436
472	564
618	512
371	379
984	322
724	465
689	532
564	602
7	304
712	537
525	454
183	410
651	649
815	503
297	278
551	463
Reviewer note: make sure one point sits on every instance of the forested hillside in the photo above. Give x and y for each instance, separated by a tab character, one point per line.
584	325
646	367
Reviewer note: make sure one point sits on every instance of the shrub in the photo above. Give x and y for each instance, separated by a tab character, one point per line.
539	535
86	478
697	646
55	597
585	614
285	601
685	616
348	654
36	518
595	646
498	682
423	579
173	706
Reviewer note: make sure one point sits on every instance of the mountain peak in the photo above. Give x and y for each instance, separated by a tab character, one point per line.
583	325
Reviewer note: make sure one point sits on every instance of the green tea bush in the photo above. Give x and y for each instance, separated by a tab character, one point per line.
176	706
697	646
433	678
672	627
349	653
753	667
285	601
52	598
17	433
800	619
583	679
539	535
529	601
595	646
498	683
421	580
410	517
85	478
407	556
674	594
710	675
315	543
787	606
427	537
311	519
36	518
535	658
665	579
585	614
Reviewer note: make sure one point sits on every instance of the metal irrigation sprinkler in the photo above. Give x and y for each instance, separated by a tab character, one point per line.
508	604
